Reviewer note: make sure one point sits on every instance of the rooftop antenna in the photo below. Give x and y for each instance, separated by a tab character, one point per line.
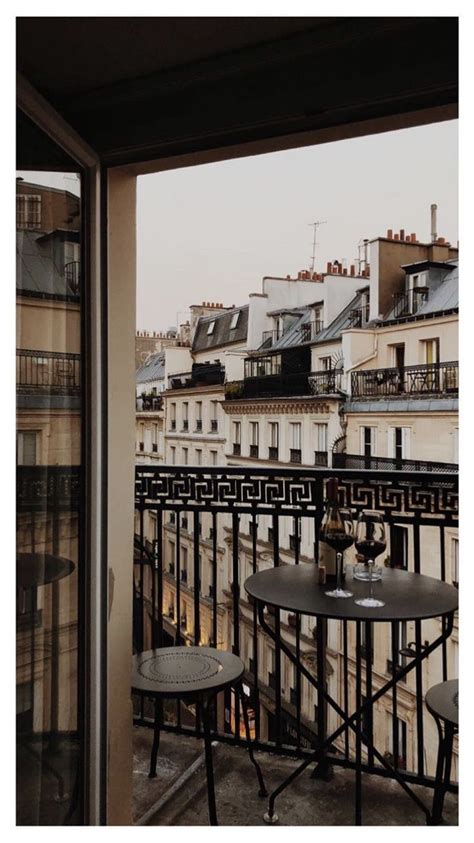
315	226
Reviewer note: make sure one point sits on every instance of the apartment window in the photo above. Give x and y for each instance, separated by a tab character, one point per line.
198	456
185	415
367	441
321	437
185	456
254	439
184	564
213	416
455	561
213	457
173	455
295	439
399	443
272	671
236	427
28	210
141	441
325	363
198	415
273	448
210	327
171	547
235	320
154	440
399	546
173	416
431	351
26	447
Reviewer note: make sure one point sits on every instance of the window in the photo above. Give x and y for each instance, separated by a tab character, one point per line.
26	447
236	440
173	455
185	415
185	456
455	562
213	416
367	441
213	457
321	438
173	417
141	441
325	363
210	327
154	439
295	440
198	456
431	351
254	433
184	564
235	320
198	415
28	210
273	434
399	443
171	551
399	546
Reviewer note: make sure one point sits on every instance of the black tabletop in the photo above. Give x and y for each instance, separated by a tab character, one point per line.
184	671
442	700
35	569
407	596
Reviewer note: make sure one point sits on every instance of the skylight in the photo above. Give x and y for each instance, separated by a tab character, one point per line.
235	320
210	328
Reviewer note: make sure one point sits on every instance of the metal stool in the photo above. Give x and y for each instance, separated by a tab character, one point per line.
194	674
442	703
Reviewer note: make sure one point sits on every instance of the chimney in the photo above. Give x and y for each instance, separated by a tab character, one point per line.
396	237
389	234
329	266
352	269
344	271
434	234
339	268
402	234
413	238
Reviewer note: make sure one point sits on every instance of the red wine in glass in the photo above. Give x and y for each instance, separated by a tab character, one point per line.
370	542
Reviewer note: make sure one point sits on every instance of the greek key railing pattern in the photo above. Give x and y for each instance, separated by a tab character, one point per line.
48	487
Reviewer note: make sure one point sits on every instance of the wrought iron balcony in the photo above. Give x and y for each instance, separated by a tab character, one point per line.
359	316
236	449
310	330
72	274
409	302
201	374
149	404
295	455
285	384
198	425
254	451
272	453
49	372
321	458
389	463
269	338
185	424
425	502
423	379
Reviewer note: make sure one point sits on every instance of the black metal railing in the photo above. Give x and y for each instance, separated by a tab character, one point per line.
72	274
409	302
254	451
285	384
422	379
273	452
310	330
269	338
295	455
236	449
198	425
214	425
359	316
390	463
235	500
149	403
321	458
202	374
51	372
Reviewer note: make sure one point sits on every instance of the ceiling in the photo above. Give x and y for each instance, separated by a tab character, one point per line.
141	88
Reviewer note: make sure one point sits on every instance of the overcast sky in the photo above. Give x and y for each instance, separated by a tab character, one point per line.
210	233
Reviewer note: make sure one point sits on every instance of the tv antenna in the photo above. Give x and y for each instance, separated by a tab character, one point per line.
315	226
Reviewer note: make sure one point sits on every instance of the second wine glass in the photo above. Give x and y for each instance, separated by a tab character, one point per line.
338	532
370	541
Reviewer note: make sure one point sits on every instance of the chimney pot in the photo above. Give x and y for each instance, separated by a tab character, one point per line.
344	271
402	234
413	238
396	237
352	269
329	266
389	234
339	268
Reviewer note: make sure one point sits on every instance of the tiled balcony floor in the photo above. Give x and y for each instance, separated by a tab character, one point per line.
306	802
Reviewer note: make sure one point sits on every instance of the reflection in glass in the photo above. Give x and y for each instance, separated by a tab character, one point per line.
48	304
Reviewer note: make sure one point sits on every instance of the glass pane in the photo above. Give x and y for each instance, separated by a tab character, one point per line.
49	422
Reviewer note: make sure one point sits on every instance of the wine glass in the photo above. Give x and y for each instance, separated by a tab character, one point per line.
370	541
338	532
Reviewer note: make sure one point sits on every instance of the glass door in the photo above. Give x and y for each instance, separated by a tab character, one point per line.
50	524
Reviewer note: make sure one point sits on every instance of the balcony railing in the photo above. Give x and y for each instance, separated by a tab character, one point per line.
310	330
214	425
50	372
202	374
72	274
254	451
409	302
423	379
359	316
272	453
288	384
389	463
149	404
295	455
293	499
269	338
321	458
236	449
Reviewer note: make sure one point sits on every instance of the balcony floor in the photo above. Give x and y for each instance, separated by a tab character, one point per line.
306	802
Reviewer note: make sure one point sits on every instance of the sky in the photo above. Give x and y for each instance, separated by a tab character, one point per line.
211	232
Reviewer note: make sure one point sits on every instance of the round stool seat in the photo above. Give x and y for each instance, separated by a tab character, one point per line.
442	701
184	671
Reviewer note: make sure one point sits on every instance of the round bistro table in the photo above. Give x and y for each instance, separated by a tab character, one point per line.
407	596
195	674
443	704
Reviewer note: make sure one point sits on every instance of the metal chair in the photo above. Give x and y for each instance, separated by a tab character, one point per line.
193	674
442	703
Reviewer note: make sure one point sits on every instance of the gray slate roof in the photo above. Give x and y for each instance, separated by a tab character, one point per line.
333	331
152	369
222	333
40	264
444	297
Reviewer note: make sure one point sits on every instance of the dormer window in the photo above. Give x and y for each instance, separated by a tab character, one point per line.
234	321
210	327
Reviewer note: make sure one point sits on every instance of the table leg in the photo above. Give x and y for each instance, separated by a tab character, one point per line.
156	737
263	791
211	794
324	769
443	770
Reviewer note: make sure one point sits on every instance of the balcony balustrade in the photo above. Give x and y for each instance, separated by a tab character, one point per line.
285	384
310	330
409	302
149	404
293	498
269	338
198	425
236	449
254	451
72	274
389	463
214	425
359	316
295	455
422	379
273	453
185	425
321	458
48	372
